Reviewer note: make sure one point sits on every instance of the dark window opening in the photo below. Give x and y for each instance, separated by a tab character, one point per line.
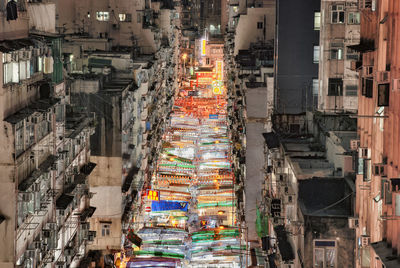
367	87
383	94
335	87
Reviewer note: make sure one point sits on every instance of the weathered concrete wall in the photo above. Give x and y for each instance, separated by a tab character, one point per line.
331	229
247	31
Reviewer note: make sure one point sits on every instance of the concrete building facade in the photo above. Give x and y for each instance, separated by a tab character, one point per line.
338	23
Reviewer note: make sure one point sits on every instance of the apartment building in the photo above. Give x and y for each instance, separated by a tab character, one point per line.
45	147
294	65
338	23
309	199
377	206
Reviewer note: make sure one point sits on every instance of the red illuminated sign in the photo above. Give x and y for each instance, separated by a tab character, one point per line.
153	195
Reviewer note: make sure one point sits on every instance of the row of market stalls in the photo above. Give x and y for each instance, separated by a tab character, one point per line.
189	208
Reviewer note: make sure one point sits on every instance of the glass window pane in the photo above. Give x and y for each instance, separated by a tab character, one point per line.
316	54
317	20
330	256
318	257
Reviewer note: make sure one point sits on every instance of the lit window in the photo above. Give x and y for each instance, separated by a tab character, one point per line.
102	16
316	54
125	17
317	21
353	18
324	254
259	25
105	229
336	51
337	14
315	87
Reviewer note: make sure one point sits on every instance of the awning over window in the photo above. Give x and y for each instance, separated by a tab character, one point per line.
129	178
63	201
271	139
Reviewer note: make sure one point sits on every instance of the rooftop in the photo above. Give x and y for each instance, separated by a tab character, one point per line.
41	105
332	199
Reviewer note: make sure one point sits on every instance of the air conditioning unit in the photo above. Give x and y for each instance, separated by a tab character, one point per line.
379	170
353	223
383	77
354	144
365	240
368	71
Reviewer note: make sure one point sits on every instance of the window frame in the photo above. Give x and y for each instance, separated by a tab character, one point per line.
102	15
316	57
324	249
317	20
105	229
351	21
260	25
127	17
335	82
340	14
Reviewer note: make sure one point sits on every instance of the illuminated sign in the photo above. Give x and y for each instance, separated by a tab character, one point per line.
219	69
153	195
203	47
204	78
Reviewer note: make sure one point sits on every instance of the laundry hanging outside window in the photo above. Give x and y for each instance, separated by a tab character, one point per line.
11	8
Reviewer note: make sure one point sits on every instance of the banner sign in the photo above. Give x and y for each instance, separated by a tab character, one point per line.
164	205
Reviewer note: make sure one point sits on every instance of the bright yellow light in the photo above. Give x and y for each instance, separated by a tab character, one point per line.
217	142
182	116
184	56
216	128
203	47
215	181
220	212
171	159
221	227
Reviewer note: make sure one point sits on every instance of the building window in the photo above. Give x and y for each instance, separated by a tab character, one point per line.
335	87
316	54
351	90
383	94
324	254
125	17
367	86
317	21
102	16
139	18
336	51
259	25
207	61
315	87
353	18
352	54
105	229
337	14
